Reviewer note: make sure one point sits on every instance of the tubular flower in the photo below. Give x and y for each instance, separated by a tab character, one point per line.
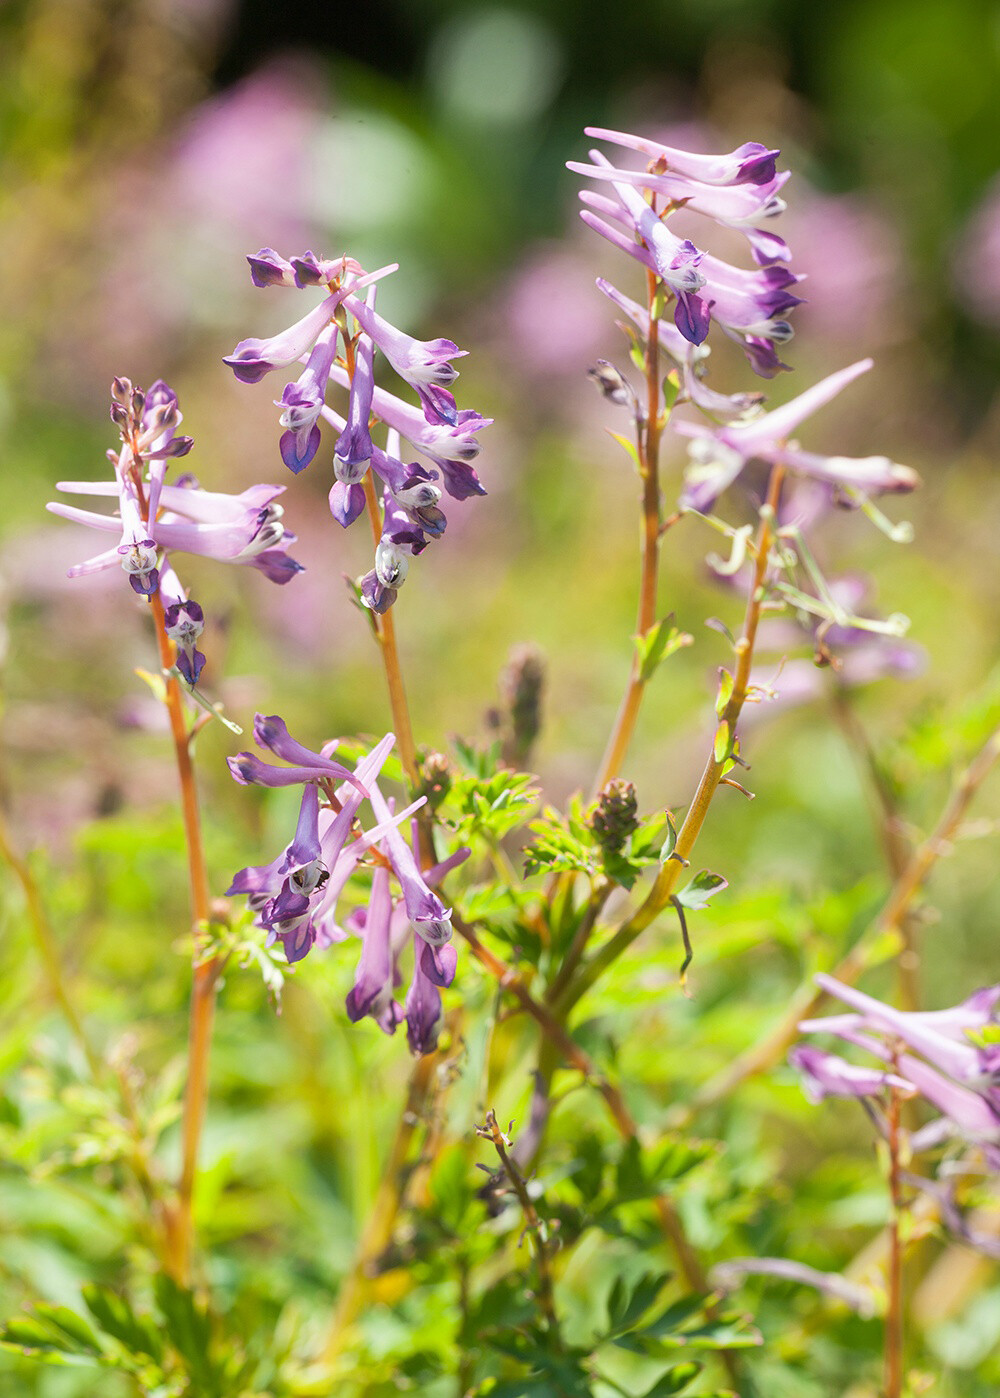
155	520
444	434
951	1057
738	190
718	456
295	897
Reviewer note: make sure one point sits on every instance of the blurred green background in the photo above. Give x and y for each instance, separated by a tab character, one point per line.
145	147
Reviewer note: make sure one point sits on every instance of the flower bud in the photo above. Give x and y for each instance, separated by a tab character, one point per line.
611	383
614	818
435	779
521	684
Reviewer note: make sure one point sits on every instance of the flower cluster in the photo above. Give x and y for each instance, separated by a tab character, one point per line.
155	520
950	1058
295	898
446	436
739	190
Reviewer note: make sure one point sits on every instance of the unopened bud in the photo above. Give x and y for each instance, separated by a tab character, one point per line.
522	684
614	817
612	384
435	778
121	390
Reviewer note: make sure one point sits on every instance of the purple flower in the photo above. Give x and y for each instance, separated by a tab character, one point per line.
424	364
301	403
242	528
430	918
252	359
272	733
269	268
353	450
310	270
749	306
827	1075
374	980
955	1074
295	896
433	967
450	447
183	621
401	539
750	163
736	191
719	456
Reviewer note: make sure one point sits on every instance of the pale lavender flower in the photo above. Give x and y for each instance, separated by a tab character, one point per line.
750	163
718	456
424	364
183	621
827	1075
953	1072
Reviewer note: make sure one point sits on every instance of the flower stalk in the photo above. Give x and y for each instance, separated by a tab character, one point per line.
501	1142
648	436
714	771
205	971
894	1279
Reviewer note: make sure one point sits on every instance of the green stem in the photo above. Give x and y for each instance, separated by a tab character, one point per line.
715	767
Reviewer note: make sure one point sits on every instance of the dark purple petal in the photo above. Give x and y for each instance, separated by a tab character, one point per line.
460	479
374	595
295	456
268	268
437	963
276	565
347	502
692	316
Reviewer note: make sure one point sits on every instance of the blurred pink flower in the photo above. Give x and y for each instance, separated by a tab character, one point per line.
244	160
976	261
553	322
852	259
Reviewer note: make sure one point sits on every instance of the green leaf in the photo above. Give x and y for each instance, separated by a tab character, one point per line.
661	641
700	890
561	843
32	1334
189	1329
720	749
725	693
628	1300
674	1379
68	1323
136	1333
627	446
670	843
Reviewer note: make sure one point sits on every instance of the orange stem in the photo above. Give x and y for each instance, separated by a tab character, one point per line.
206	973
